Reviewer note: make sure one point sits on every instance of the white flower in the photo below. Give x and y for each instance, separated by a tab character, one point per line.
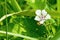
42	16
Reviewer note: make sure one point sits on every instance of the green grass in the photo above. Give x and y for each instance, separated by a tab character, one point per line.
17	20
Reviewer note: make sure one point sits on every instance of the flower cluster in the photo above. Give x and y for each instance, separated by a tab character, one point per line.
41	16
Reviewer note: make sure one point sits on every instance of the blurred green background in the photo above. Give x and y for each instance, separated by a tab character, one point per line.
17	20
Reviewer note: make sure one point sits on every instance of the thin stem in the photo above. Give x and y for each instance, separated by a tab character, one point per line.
18	35
6	21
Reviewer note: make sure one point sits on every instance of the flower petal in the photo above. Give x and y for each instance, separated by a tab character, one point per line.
37	18
38	12
44	13
41	22
48	17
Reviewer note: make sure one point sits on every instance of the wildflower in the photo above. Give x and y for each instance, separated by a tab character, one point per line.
42	16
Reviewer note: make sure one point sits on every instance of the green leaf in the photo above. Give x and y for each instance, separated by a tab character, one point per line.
57	36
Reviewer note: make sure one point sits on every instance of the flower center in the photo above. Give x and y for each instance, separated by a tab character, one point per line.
42	18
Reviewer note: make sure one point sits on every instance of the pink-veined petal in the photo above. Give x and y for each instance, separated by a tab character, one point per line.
44	13
48	17
41	22
38	12
37	18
